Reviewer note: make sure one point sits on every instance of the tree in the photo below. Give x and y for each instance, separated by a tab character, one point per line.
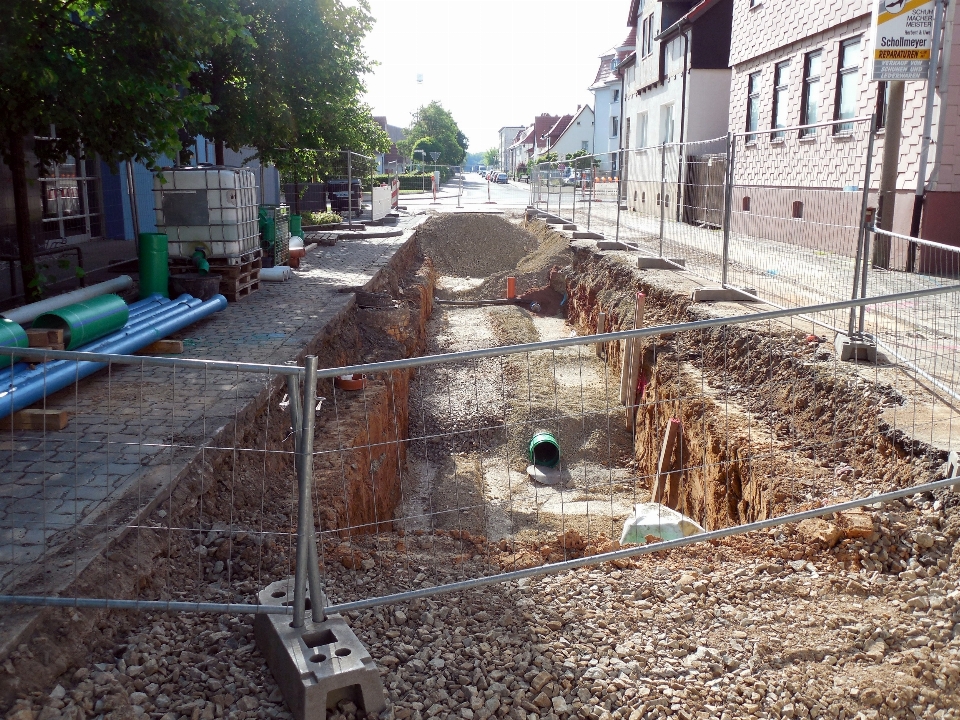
434	122
491	156
579	163
112	78
548	157
292	82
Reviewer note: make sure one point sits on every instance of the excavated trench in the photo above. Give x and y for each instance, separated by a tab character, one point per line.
421	476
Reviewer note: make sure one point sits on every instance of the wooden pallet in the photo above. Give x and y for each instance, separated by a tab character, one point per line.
240	290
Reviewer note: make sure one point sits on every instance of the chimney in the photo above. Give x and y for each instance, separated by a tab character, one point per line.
578	108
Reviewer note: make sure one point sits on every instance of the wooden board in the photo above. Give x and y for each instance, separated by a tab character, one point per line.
162	347
666	486
45	338
30	419
601	329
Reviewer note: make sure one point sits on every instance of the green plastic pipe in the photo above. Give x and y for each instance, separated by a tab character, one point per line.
544	450
87	321
154	265
11	335
296	226
200	260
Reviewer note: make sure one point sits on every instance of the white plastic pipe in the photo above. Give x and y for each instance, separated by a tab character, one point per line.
29	313
277	273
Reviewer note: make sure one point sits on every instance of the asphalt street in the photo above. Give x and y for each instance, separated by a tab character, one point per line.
472	196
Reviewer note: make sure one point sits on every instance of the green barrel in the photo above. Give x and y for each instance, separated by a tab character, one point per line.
296	227
154	269
86	321
11	335
544	449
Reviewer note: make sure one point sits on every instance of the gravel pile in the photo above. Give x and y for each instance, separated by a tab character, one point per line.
474	245
773	625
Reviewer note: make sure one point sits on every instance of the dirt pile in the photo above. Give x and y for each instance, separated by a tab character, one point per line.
473	245
532	271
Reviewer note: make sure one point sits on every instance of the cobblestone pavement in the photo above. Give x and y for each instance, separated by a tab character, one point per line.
133	428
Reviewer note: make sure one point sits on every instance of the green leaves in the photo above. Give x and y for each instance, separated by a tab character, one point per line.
433	127
292	80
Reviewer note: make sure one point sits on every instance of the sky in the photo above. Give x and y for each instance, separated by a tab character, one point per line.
491	63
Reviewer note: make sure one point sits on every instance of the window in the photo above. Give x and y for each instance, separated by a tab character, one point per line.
70	199
848	75
642	130
614	125
797	210
666	123
753	102
646	45
781	83
810	102
614	64
626	134
616	96
745	203
584	145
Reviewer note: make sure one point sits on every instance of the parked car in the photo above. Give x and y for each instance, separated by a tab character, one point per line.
502	178
339	199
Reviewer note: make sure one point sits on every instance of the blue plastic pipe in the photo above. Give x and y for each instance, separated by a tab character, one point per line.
57	375
167	311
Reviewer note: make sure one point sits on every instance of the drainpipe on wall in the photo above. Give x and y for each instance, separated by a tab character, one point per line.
684	29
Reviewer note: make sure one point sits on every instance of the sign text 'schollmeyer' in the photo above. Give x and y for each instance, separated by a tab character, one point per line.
902	39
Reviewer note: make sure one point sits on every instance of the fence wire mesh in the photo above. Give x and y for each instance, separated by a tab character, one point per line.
149	435
422	479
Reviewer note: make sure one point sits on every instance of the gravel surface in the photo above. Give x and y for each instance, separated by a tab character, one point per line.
773	625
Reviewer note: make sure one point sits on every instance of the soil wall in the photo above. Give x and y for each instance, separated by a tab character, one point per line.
768	419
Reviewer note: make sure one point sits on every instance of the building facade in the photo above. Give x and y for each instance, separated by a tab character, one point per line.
608	104
508	136
799	63
576	136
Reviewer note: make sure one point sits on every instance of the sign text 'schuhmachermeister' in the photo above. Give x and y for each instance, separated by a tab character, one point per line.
902	39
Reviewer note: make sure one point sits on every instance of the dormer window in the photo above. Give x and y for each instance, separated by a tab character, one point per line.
613	65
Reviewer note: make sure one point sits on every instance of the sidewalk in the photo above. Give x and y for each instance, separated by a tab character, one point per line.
133	430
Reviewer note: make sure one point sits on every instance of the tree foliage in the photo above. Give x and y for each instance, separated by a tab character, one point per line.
491	156
136	79
435	124
292	82
112	76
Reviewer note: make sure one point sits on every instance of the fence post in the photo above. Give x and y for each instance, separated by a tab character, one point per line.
593	187
307	567
619	190
350	188
663	186
727	208
860	281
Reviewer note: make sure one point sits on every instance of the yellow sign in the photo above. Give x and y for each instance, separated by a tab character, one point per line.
902	39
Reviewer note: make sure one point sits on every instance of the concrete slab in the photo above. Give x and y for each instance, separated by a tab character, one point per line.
714	294
586	235
659	263
318	665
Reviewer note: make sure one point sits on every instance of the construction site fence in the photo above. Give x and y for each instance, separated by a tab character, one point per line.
382	482
318	184
786	216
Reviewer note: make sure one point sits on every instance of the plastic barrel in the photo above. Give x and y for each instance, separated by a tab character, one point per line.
87	321
154	271
11	335
296	227
544	449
